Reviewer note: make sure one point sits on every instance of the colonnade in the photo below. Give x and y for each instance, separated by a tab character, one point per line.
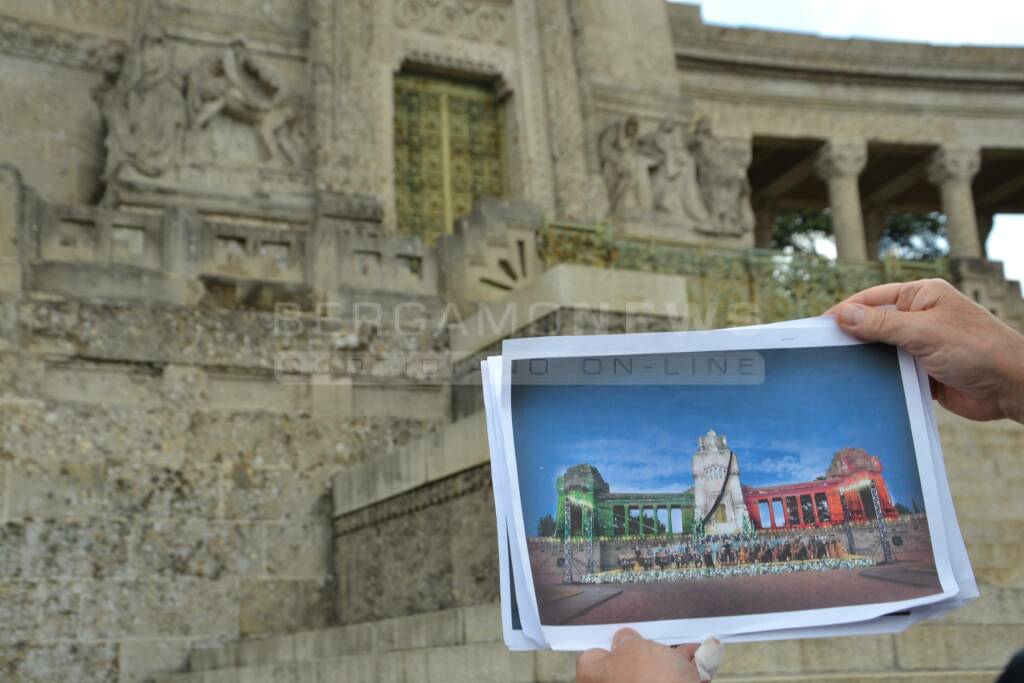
839	163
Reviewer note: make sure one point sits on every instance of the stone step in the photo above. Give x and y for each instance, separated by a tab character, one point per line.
452	664
493	662
464	625
456	447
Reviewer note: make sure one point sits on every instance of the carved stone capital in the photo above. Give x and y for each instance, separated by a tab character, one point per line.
841	159
953	163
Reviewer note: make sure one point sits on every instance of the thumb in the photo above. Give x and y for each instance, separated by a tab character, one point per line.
871	323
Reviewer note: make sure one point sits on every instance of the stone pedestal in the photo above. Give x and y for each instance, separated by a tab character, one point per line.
839	164
951	169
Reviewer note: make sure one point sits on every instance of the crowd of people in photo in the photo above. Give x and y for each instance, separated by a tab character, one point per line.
733	550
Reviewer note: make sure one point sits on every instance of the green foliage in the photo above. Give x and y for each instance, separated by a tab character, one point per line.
902	509
907	236
546	526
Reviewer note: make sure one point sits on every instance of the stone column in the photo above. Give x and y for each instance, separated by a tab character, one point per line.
764	219
984	228
874	224
951	169
839	164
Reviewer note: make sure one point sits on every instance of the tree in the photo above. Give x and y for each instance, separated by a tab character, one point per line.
908	236
902	509
546	526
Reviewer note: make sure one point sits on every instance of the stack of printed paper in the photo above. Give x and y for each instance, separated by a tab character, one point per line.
757	483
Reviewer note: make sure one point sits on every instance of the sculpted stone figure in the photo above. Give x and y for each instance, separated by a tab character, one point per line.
144	110
676	193
626	169
722	173
234	83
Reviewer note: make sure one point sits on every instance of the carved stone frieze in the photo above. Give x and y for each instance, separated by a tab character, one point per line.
484	21
60	46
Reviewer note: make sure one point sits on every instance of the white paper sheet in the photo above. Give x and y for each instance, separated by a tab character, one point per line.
953	566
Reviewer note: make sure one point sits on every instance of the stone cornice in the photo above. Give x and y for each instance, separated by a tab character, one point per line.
431	495
805	55
48	43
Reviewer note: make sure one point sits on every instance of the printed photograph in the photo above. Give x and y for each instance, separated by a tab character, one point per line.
651	494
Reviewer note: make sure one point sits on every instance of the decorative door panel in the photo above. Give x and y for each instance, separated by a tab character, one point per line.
448	151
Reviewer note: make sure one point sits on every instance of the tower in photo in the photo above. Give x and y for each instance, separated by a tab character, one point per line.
718	498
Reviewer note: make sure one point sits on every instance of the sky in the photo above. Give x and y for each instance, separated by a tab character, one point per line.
813	403
978	22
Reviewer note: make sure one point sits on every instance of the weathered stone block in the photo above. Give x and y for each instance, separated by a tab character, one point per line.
949	647
88	433
820	655
69	661
36	610
480	661
141	660
56	489
193	608
265	651
299	550
421	524
482	623
431	629
997	605
95	548
12	550
281	605
252	493
140	490
555	667
198	548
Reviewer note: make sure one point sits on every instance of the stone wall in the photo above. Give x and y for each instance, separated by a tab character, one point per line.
427	550
160	489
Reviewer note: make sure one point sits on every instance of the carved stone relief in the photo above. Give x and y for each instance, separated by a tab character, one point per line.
652	176
144	110
236	84
480	21
722	174
158	118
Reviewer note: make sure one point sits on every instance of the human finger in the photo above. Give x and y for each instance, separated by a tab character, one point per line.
879	295
686	650
877	324
590	665
623	636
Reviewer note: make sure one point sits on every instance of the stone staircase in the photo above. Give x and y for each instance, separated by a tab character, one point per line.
452	645
465	645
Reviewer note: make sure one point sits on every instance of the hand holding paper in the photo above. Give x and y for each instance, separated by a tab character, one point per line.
975	360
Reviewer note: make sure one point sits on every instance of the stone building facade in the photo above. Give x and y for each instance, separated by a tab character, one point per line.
251	252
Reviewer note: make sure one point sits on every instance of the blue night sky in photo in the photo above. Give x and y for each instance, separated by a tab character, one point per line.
813	403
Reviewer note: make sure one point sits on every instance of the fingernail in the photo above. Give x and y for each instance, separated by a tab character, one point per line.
708	658
851	314
623	636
